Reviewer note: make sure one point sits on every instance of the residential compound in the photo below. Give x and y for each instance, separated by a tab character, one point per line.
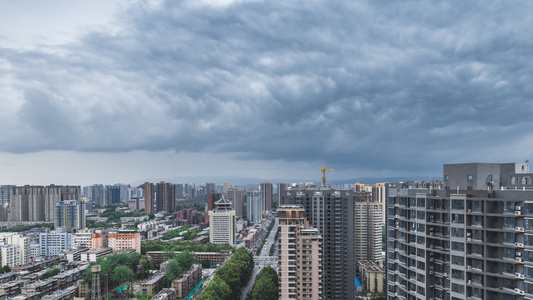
300	255
473	239
37	203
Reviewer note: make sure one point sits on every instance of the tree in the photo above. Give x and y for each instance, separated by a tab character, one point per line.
186	259
206	263
6	269
173	269
217	289
121	274
266	285
168	254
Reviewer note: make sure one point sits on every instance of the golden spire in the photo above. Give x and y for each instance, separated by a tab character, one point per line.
323	170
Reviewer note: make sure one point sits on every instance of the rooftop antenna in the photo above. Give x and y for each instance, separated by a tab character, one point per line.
323	170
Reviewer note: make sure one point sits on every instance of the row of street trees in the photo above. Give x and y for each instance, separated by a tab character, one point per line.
265	285
230	278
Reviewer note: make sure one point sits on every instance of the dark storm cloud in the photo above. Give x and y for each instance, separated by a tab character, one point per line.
370	84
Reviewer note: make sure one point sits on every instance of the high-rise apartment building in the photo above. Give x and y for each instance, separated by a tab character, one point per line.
212	198
113	193
225	187
254	206
367	228
379	195
37	203
4	194
165	197
97	193
471	240
210	187
332	212
149	198
282	189
267	196
70	214
179	191
55	241
300	256
236	197
222	223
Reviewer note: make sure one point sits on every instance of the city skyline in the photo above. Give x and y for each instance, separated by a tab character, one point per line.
128	91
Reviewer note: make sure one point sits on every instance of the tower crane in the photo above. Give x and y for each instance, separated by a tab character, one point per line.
323	170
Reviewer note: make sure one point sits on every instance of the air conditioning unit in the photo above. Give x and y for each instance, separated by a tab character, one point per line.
468	234
469	267
396	205
431	259
519	275
519	291
518	208
430	272
469	239
469	210
517	212
519	245
518	254
445	274
521	229
396	216
469	281
518	259
396	249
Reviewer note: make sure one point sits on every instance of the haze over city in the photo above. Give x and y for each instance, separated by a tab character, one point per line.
126	91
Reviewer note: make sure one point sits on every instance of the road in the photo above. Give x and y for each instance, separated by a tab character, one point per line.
263	259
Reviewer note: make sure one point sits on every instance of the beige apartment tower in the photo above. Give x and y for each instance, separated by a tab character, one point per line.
367	228
300	255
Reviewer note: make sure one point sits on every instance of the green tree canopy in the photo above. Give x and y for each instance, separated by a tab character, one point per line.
173	269
121	274
266	285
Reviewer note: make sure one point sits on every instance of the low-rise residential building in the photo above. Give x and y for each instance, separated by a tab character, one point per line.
153	285
125	239
186	282
66	294
98	240
41	287
94	254
81	239
69	278
11	288
166	294
214	257
372	276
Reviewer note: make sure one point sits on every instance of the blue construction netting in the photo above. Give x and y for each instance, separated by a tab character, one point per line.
357	282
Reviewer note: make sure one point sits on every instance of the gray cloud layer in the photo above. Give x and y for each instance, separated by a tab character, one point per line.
374	84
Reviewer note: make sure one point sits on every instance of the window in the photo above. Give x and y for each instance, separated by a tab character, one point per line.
447	177
458	204
490	177
470	177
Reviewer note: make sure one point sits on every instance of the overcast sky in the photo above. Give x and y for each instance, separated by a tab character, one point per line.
104	92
